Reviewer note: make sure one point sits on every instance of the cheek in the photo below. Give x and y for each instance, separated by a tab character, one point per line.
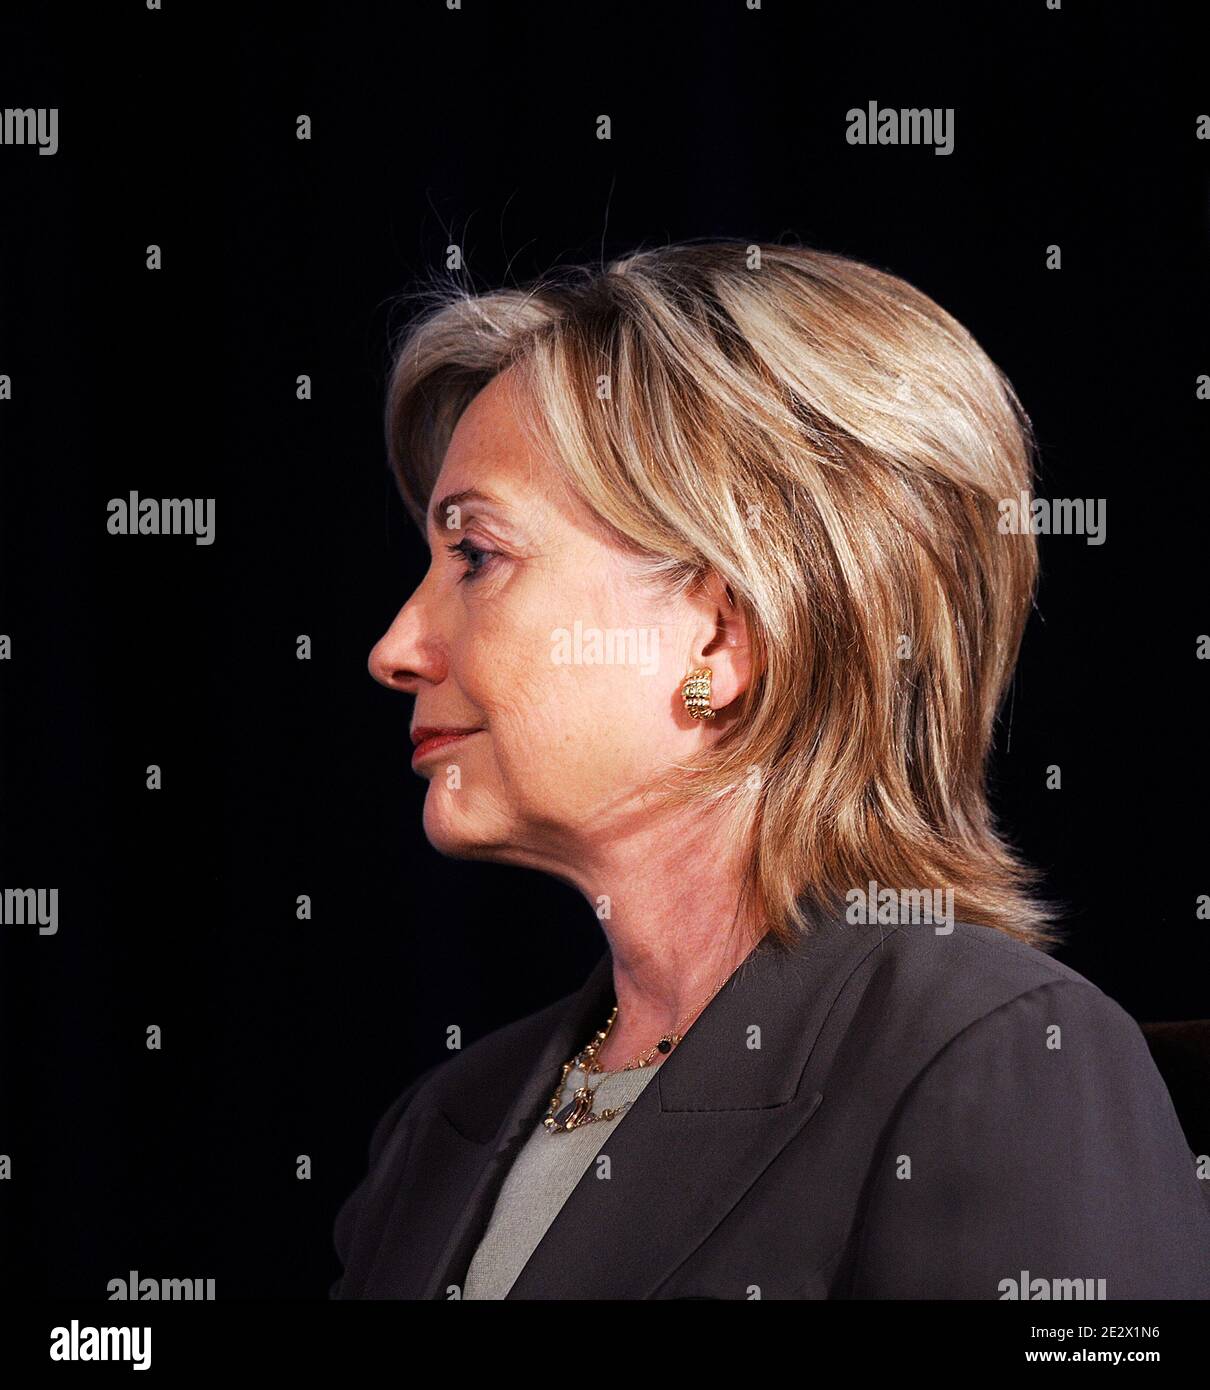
566	728
564	735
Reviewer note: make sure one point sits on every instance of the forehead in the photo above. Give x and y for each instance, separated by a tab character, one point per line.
490	451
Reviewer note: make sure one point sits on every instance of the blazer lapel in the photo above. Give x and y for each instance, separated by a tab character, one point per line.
724	1104
730	1097
476	1147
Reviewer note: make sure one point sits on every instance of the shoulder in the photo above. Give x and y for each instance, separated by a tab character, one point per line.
1026	1128
976	955
991	1047
931	989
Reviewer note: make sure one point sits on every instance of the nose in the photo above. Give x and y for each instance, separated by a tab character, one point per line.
406	656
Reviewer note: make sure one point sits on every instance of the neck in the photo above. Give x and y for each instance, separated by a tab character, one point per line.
674	928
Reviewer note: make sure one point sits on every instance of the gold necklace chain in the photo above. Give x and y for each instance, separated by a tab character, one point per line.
578	1111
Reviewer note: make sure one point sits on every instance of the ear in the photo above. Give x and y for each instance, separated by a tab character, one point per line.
723	643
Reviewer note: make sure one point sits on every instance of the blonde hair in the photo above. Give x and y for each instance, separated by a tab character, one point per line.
834	445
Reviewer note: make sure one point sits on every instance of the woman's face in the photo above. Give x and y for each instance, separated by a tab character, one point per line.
537	636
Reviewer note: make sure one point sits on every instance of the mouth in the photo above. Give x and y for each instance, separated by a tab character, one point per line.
430	740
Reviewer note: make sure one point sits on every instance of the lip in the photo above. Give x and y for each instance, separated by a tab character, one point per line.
428	739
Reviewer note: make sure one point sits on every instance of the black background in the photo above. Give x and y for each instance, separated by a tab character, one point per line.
283	777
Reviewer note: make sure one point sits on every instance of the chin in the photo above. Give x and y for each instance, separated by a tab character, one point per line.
453	829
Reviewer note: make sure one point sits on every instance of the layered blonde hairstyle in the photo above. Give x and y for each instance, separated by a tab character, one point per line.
834	445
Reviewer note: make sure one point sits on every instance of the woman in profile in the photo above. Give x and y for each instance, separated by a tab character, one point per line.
717	622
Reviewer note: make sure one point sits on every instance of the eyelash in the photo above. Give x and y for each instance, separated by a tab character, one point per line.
465	549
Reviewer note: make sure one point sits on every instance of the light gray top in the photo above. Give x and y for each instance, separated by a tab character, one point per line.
542	1178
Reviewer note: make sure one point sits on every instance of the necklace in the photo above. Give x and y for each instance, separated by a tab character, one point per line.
578	1111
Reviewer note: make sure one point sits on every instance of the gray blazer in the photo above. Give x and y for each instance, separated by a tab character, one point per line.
880	1112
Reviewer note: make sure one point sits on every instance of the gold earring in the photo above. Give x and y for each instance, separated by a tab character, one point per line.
695	691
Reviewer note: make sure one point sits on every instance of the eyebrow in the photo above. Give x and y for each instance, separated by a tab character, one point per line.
455	499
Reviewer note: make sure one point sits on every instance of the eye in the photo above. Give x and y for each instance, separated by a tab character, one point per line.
474	557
